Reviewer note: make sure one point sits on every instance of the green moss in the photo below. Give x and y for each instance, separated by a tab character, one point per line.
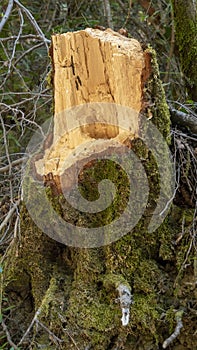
48	297
144	314
88	302
92	312
159	108
88	186
112	281
145	276
33	261
49	79
186	40
55	200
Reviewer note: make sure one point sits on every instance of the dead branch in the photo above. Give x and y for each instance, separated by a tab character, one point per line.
108	13
30	326
56	339
28	51
7	154
133	19
66	331
146	5
14	47
183	119
7	14
8	335
32	37
175	334
16	162
171	51
36	321
9	215
33	22
128	13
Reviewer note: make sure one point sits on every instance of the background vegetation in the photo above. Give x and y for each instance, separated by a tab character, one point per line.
26	97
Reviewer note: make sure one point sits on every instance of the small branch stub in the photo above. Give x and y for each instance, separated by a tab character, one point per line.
125	299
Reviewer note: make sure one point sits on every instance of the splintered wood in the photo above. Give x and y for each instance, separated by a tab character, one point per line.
96	66
93	72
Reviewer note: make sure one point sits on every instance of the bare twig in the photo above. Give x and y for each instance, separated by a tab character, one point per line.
7	155
70	336
173	196
175	334
133	19
172	42
184	135
36	321
17	38
184	106
22	37
30	326
17	226
33	22
186	259
6	145
9	215
16	162
47	299
28	51
54	15
8	335
6	14
147	6
128	14
108	13
25	93
48	331
14	47
17	72
65	330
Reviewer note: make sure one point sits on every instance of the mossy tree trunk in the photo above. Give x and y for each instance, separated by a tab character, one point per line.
185	20
73	292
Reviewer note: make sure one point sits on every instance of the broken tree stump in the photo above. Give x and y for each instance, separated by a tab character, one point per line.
92	66
101	90
72	290
98	80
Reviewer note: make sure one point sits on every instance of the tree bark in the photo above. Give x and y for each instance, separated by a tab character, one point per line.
122	292
185	20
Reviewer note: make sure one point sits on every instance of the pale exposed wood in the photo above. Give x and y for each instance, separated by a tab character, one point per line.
92	66
96	66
